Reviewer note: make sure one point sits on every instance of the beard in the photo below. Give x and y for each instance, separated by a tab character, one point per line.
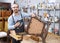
16	11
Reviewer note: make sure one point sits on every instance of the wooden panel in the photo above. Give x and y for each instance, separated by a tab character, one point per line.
6	26
17	37
35	27
3	13
0	13
0	25
6	13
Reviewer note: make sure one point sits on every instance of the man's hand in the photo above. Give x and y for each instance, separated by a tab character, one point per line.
32	15
12	32
17	24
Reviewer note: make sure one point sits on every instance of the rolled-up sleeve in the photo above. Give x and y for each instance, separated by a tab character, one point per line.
26	14
10	23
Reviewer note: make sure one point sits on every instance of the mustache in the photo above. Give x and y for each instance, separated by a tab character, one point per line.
16	11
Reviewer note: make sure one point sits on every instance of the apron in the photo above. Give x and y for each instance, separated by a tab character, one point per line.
21	28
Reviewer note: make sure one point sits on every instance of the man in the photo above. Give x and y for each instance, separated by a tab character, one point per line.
15	21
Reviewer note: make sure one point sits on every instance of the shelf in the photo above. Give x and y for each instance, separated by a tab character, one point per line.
55	13
49	9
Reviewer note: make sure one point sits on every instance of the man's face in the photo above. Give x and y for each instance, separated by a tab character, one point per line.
15	8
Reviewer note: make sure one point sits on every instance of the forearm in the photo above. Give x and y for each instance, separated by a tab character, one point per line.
11	27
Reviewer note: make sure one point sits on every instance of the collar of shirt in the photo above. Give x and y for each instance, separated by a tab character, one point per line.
17	17
17	13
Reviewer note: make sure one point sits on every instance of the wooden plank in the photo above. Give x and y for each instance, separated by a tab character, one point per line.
17	37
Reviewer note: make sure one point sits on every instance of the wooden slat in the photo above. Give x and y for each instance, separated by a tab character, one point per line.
0	13
17	37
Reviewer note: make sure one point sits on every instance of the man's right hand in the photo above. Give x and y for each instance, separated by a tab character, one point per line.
12	32
17	24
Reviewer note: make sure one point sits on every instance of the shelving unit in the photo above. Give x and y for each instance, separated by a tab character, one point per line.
48	10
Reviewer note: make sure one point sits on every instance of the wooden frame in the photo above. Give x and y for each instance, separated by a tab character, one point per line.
44	31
